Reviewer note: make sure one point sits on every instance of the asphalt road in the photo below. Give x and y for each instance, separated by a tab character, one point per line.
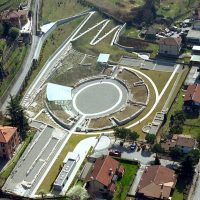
15	88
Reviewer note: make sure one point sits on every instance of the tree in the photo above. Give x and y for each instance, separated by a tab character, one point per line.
187	167
195	154
133	135
198	139
157	160
1	29
176	128
157	148
2	72
78	192
150	138
179	116
14	33
17	116
122	133
176	153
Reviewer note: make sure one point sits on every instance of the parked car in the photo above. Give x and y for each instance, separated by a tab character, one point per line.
115	153
133	146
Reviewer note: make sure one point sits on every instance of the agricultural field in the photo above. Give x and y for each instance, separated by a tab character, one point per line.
53	10
12	66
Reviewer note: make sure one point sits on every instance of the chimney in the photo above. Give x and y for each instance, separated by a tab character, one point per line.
110	171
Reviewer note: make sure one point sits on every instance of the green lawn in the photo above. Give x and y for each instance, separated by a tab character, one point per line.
82	44
12	66
53	10
6	4
58	36
127	179
173	8
46	185
179	190
6	172
158	77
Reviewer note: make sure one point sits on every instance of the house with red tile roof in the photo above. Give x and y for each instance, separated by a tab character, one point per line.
157	182
170	46
9	141
103	175
192	97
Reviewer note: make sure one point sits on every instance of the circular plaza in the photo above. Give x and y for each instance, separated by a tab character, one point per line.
100	97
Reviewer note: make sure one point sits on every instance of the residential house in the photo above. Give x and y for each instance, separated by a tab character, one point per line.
103	175
157	182
9	140
17	18
170	46
192	97
185	142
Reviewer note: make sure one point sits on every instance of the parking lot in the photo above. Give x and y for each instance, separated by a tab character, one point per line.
35	161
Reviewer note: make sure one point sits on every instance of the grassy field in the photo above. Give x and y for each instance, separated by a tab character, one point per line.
53	10
46	185
172	8
82	44
124	183
158	77
6	4
6	172
120	5
52	43
12	66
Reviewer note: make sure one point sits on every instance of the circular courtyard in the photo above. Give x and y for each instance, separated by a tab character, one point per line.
99	97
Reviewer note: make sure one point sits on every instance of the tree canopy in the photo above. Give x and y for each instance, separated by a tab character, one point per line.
17	115
150	138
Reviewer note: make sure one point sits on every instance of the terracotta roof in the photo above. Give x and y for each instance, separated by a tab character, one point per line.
193	93
171	41
102	170
185	141
157	182
6	132
13	14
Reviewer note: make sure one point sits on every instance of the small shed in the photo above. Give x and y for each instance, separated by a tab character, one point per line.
103	59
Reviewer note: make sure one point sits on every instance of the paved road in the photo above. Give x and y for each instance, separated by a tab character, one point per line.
195	188
27	63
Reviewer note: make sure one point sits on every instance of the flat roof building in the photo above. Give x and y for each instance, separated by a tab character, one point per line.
69	165
193	36
58	93
103	58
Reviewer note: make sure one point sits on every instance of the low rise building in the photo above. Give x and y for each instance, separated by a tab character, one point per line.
185	142
17	18
9	141
193	37
170	46
69	165
192	97
157	182
103	175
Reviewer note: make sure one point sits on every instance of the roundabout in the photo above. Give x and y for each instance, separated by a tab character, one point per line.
99	97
